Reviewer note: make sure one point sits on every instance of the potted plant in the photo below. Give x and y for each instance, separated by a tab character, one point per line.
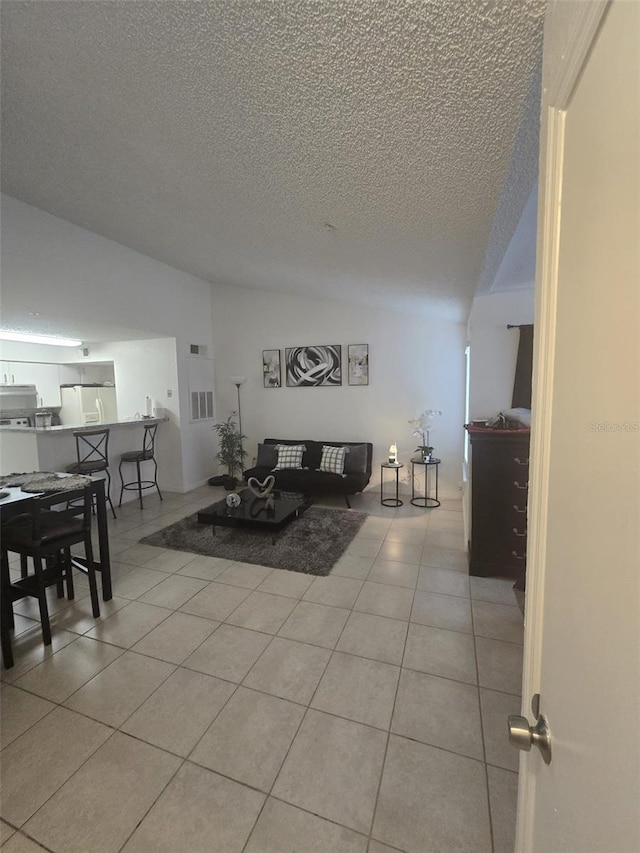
421	427
230	452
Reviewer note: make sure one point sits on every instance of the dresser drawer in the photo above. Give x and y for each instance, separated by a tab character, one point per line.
499	490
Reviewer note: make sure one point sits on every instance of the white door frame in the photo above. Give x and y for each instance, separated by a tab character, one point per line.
571	27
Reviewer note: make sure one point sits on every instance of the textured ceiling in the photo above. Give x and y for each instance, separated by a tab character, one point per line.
225	138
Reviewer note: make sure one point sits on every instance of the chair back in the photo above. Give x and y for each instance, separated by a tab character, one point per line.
39	528
92	448
149	441
48	524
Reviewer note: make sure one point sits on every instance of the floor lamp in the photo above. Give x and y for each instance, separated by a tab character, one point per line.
238	381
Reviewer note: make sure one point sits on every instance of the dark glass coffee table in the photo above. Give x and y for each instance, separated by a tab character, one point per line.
255	512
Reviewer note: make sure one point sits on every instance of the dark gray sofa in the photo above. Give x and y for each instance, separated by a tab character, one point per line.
309	480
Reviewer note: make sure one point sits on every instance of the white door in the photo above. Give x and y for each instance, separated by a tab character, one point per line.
582	641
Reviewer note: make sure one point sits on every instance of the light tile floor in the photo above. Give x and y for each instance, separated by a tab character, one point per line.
220	706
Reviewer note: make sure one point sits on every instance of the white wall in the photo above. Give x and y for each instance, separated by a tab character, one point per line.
494	349
415	364
75	278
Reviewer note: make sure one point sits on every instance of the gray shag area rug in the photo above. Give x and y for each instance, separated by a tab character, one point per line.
311	544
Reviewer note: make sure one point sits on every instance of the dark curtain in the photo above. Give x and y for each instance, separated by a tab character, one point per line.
524	368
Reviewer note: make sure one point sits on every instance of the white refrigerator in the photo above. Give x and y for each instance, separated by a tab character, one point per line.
83	405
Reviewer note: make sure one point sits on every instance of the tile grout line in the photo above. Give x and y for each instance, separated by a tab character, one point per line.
484	748
393	710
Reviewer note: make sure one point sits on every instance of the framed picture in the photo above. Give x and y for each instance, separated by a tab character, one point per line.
308	367
271	371
358	369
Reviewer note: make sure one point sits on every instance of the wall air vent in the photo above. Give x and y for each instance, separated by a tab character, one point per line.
199	350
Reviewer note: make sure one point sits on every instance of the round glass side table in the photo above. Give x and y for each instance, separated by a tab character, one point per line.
394	467
425	500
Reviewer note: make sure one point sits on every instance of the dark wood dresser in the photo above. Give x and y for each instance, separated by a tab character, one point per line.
499	486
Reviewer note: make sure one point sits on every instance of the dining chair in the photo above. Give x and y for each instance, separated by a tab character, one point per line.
46	535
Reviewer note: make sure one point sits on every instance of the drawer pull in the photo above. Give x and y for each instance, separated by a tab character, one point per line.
519	461
518	486
515	530
517	509
519	556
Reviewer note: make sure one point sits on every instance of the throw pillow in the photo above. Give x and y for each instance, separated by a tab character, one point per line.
267	456
289	456
356	461
332	461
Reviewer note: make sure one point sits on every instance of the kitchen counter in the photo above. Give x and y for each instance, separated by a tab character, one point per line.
54	448
70	429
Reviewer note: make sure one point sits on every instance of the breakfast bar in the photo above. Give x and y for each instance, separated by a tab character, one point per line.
53	448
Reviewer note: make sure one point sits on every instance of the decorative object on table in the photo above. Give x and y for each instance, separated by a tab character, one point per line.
271	370
393	454
230	450
261	489
421	428
44	481
312	545
313	366
269	504
358	364
233	500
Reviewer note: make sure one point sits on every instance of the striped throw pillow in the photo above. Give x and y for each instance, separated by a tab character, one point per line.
289	456
332	461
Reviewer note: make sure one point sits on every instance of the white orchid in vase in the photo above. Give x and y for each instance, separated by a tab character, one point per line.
421	428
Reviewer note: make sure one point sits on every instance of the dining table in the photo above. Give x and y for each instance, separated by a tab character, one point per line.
18	490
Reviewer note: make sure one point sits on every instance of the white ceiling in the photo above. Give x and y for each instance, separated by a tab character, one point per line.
362	150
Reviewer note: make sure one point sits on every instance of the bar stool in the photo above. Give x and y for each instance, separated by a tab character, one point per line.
147	454
92	452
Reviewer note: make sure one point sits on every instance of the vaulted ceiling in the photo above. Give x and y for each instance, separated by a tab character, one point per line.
377	151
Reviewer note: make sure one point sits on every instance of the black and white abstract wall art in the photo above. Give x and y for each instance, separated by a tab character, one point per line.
358	368
271	371
313	366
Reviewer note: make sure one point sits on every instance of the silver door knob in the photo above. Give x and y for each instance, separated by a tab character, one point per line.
523	736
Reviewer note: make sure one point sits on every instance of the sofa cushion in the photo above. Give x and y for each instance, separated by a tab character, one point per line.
267	456
289	456
356	459
332	460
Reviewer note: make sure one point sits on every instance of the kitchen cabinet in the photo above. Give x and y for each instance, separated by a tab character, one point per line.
80	374
6	373
46	378
70	374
